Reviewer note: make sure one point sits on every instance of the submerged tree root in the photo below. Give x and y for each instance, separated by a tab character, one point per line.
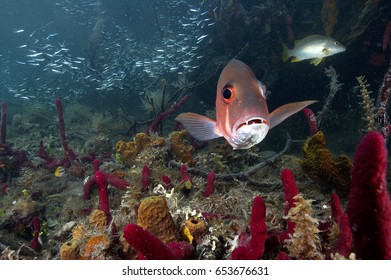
245	175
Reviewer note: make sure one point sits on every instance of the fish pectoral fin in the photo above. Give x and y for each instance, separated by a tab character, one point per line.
316	61
295	59
281	113
200	127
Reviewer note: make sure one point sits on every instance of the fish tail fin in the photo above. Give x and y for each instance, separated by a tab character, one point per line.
285	52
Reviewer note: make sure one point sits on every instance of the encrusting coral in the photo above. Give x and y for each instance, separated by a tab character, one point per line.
179	148
325	169
88	242
128	151
69	250
98	220
95	247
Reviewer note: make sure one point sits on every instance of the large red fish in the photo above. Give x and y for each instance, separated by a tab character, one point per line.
242	116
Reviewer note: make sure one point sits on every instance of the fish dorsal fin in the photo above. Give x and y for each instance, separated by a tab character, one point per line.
281	113
200	127
316	61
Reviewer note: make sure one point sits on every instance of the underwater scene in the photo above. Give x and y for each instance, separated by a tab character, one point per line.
201	130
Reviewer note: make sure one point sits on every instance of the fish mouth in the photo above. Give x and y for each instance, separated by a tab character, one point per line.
248	132
251	121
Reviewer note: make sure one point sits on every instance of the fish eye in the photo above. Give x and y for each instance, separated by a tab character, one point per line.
336	43
228	93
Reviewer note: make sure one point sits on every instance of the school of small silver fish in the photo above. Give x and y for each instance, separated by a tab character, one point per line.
115	58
